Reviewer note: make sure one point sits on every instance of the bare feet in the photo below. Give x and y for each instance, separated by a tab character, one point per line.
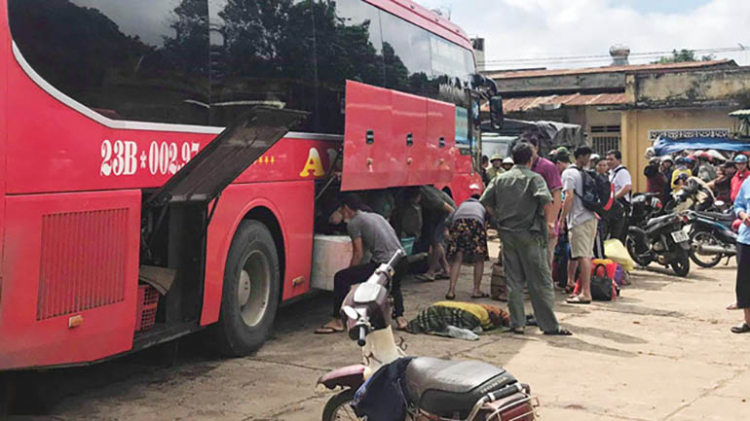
401	323
334	326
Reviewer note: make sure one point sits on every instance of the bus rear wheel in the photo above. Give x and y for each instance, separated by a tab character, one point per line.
250	295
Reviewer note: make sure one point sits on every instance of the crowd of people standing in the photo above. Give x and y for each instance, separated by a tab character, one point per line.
547	206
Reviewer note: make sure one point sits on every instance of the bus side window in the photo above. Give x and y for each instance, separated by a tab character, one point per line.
142	62
262	53
349	46
406	50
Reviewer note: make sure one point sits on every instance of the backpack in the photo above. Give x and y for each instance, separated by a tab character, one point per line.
598	193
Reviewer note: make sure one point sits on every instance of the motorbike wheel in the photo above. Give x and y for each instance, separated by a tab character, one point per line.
637	249
696	240
681	262
339	407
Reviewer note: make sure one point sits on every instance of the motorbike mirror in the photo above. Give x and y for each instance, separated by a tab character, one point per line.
350	312
496	113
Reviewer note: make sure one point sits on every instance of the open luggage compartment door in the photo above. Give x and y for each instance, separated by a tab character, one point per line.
373	157
227	156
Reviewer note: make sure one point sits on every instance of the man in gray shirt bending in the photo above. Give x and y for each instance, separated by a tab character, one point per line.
369	231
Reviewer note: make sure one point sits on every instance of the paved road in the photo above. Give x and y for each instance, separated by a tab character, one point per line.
661	352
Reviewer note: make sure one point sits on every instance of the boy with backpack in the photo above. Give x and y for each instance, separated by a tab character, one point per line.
582	222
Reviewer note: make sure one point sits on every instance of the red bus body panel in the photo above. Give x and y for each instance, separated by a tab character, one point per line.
63	167
27	341
386	160
295	216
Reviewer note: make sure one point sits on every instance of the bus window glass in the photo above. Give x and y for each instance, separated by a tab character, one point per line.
406	51
450	71
348	47
262	53
139	60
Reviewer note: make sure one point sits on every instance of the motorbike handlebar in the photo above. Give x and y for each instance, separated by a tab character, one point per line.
396	258
362	334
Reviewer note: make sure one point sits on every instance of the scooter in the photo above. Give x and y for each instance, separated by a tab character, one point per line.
645	207
711	237
433	389
661	240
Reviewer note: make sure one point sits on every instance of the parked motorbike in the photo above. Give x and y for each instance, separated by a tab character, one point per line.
711	237
439	390
694	195
645	206
661	240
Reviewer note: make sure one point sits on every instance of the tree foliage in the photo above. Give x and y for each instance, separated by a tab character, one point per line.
683	56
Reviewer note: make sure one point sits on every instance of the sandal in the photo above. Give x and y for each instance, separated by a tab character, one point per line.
424	278
741	328
480	296
569	289
442	276
577	300
450	296
517	330
327	330
732	306
561	331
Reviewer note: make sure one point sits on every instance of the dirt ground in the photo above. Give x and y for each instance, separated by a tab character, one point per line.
663	351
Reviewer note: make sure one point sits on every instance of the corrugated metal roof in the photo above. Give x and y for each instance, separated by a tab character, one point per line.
611	69
515	105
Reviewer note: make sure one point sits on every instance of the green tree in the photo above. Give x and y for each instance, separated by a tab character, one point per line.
683	56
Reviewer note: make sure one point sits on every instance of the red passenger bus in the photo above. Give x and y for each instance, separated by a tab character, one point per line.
104	101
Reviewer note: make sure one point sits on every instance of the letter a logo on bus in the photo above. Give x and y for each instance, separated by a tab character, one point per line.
313	164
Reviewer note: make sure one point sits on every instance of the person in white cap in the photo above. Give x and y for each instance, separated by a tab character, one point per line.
593	160
507	163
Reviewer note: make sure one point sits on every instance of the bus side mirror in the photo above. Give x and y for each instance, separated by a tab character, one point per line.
496	113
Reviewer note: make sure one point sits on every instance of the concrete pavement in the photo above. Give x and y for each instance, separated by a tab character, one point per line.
662	352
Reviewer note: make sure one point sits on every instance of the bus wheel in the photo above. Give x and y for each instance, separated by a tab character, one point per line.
251	290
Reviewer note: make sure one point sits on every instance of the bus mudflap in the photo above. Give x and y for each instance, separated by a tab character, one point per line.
227	156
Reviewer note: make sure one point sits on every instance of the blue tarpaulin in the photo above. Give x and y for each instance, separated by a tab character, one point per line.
666	145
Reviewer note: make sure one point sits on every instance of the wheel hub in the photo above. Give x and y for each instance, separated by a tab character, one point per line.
254	288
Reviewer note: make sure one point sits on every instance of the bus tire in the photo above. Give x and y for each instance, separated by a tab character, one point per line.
250	295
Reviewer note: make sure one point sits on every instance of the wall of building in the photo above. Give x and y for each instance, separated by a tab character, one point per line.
640	127
690	88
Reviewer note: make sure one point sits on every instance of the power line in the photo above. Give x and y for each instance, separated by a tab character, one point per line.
603	57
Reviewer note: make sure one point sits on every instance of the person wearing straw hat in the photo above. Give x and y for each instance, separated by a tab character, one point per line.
496	166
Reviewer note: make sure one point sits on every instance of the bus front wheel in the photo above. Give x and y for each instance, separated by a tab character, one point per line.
250	295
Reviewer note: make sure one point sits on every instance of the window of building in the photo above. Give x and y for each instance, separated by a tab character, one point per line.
141	60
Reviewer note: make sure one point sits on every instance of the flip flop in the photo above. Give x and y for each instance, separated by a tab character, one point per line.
327	330
480	296
741	328
450	296
424	278
577	300
442	276
517	330
732	306
561	331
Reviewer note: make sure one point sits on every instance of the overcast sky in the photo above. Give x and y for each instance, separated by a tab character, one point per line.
530	29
